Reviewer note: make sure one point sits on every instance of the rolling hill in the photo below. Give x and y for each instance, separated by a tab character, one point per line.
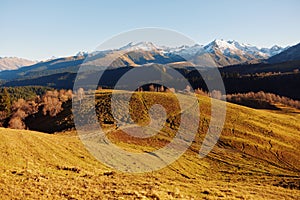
256	157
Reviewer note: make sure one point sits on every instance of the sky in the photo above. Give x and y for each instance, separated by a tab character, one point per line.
38	30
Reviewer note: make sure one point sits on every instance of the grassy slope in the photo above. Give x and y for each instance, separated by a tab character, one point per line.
257	157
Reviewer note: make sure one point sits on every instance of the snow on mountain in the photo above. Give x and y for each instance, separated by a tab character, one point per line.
10	63
274	50
228	48
82	53
250	49
234	48
145	46
242	51
222	52
289	54
223	46
184	51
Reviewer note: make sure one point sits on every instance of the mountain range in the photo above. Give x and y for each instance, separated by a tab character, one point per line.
244	68
11	63
218	53
292	54
221	53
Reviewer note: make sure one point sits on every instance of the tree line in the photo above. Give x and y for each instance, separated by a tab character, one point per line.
261	98
14	112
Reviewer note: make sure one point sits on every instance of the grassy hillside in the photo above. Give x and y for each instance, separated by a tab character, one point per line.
257	157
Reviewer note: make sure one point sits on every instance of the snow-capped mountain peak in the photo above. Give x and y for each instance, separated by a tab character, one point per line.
222	44
184	50
145	46
233	47
225	47
249	49
274	50
223	52
276	47
228	48
82	53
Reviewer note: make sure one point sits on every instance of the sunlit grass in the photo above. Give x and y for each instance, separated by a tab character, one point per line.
243	165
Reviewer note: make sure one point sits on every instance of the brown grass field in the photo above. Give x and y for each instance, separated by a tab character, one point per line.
256	157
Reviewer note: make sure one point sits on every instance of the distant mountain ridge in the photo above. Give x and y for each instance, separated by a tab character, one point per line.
280	78
291	54
54	66
219	53
11	63
223	52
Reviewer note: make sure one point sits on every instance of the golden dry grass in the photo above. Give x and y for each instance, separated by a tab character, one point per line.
257	157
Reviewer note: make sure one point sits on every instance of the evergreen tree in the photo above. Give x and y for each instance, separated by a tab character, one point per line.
5	103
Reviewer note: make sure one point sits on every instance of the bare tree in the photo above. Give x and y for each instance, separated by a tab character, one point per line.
170	90
80	94
21	109
216	94
188	89
162	89
151	88
52	103
201	92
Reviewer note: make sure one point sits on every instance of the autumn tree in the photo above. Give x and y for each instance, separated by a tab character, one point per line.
216	94
162	89
151	88
201	92
21	109
170	90
52	103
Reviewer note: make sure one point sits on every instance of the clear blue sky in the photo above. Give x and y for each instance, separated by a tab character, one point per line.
40	29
